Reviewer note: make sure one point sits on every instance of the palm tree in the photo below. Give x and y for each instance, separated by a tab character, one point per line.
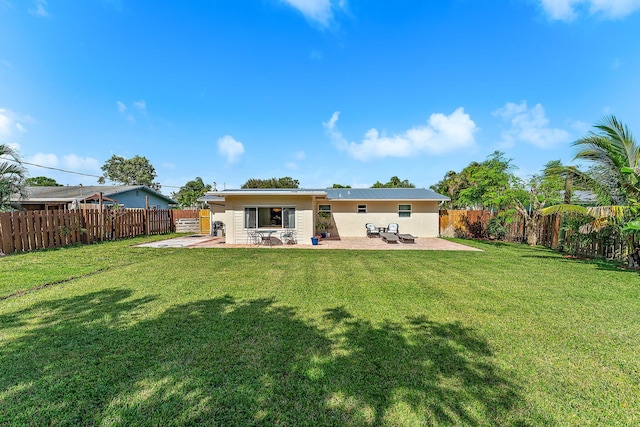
613	152
12	175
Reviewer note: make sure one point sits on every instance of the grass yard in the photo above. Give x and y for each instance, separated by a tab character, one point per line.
110	334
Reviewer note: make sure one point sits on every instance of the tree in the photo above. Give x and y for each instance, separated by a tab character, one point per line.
41	181
285	182
529	197
394	182
613	177
340	186
134	171
479	185
12	175
189	193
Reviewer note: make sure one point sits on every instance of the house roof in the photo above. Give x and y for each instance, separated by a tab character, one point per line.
268	192
69	193
339	193
383	194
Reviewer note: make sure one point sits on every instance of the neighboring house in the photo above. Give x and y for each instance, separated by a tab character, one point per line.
415	210
68	197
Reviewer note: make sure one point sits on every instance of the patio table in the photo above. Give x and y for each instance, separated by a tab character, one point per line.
265	235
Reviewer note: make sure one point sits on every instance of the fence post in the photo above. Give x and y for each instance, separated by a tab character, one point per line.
6	233
101	217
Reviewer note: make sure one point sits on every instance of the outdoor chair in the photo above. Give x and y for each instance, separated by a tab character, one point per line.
288	237
252	237
372	230
392	228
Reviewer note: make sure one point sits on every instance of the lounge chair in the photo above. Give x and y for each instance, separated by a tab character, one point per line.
372	230
407	238
389	237
404	238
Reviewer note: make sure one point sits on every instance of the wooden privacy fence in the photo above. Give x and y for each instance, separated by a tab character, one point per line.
464	223
473	224
23	231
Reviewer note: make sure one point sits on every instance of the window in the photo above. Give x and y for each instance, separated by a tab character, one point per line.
404	211
324	208
275	217
362	208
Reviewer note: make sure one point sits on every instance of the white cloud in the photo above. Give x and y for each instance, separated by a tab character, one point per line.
78	163
441	134
320	11
39	9
140	105
581	127
529	125
14	145
71	162
230	148
45	159
10	122
5	123
567	10
298	156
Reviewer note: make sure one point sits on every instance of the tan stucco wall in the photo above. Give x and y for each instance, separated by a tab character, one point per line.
422	223
348	223
233	217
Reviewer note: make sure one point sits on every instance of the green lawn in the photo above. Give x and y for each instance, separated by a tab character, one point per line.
110	334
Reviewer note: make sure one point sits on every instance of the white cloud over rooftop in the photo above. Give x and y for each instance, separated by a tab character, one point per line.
442	133
230	148
529	125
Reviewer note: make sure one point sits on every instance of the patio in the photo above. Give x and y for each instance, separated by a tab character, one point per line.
359	243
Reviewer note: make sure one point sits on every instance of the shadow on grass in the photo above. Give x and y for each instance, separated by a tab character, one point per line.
88	360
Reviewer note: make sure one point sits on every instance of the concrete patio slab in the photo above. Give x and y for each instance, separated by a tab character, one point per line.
358	243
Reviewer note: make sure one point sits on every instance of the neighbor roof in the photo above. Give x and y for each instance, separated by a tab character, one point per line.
73	192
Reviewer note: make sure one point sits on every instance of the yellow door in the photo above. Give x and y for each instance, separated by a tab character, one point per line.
205	221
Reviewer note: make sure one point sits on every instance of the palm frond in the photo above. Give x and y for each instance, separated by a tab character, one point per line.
607	211
595	225
564	208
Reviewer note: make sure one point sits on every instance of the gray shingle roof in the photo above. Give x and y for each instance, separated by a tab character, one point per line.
71	192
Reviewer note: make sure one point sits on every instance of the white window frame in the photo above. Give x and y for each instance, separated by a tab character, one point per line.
361	209
327	209
256	210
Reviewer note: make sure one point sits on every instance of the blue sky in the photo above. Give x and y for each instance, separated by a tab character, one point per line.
325	91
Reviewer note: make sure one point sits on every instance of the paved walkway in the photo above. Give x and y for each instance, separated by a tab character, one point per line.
360	243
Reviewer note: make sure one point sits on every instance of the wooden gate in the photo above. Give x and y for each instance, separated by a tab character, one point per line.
205	221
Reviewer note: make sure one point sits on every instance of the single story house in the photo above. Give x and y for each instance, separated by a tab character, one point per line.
74	196
346	210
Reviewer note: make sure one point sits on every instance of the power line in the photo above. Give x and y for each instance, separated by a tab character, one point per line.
68	171
57	169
